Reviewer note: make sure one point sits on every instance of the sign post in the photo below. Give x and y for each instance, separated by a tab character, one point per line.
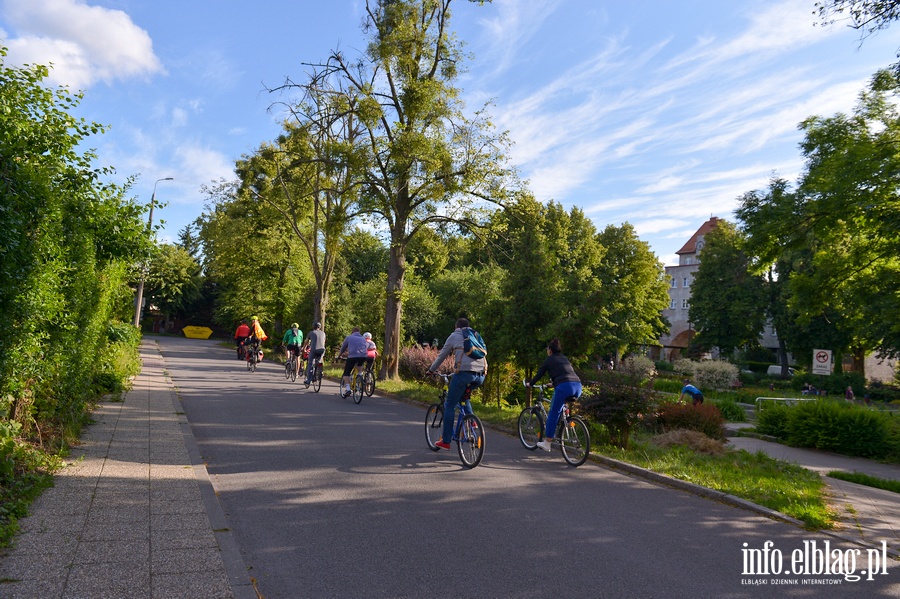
821	363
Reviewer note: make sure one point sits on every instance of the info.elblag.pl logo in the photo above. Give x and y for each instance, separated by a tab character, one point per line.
812	564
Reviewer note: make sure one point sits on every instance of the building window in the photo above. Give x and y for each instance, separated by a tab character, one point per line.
685	303
672	304
685	282
674	283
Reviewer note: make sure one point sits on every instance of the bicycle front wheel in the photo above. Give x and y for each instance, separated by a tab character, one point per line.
434	425
317	378
358	388
369	384
574	440
531	428
471	441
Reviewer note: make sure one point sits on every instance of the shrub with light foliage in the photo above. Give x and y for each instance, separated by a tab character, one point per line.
715	374
637	367
684	366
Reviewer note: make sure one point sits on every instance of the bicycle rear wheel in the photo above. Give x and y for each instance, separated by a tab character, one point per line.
358	388
471	441
434	425
294	370
369	384
317	378
288	369
574	440
531	428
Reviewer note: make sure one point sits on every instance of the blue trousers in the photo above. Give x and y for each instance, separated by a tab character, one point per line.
561	393
458	385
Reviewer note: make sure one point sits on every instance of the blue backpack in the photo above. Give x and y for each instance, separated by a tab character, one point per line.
473	344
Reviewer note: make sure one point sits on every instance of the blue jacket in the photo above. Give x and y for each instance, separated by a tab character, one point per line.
354	345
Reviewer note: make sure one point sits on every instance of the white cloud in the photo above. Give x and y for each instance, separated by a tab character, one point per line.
84	43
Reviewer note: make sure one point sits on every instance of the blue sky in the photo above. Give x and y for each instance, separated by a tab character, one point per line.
656	113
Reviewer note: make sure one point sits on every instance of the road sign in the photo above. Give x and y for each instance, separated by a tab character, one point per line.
821	363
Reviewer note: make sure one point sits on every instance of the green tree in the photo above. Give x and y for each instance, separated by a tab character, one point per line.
728	301
174	279
427	161
68	241
633	292
866	16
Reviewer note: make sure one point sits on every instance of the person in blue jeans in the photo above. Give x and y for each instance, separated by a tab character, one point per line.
469	372
565	384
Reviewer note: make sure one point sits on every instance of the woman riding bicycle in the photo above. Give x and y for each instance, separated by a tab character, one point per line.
469	373
371	351
565	384
292	339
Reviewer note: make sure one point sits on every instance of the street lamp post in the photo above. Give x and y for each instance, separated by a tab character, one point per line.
140	290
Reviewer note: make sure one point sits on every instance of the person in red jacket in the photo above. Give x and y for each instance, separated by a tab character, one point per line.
241	335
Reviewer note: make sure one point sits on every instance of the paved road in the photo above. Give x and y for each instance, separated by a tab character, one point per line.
329	499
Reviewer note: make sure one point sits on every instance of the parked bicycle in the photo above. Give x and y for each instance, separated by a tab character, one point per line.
468	432
572	433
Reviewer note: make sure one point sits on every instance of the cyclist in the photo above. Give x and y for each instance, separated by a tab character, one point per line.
354	349
371	351
241	334
257	334
292	339
565	384
469	373
315	341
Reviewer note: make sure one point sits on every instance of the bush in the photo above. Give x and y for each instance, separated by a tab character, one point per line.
637	367
730	410
684	366
667	385
694	440
839	427
415	361
715	374
619	403
772	420
704	418
663	366
879	391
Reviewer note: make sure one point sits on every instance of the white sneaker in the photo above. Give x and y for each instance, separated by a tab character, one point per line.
346	391
545	445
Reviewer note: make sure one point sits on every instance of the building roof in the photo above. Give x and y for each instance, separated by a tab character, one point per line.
691	246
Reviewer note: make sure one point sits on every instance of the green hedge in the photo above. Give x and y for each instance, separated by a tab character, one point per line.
832	426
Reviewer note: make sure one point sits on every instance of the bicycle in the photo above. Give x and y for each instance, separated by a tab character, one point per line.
241	351
252	358
572	433
316	379
369	380
290	367
468	432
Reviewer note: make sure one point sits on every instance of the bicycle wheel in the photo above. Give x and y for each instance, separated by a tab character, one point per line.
240	352
471	441
574	440
369	383
253	360
294	369
531	428
317	378
288	369
434	425
358	388
250	363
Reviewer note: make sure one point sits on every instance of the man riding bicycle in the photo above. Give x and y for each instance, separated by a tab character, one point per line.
565	385
315	342
292	339
469	373
242	334
354	348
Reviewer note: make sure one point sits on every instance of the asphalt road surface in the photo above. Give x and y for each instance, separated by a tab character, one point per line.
327	498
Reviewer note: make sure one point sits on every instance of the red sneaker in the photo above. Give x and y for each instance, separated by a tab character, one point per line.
441	445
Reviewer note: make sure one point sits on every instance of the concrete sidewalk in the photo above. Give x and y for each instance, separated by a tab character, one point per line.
867	515
133	515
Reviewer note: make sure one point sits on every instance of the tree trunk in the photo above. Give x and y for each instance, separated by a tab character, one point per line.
390	364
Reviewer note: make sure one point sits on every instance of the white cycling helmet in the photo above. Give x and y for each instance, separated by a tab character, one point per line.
367	335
